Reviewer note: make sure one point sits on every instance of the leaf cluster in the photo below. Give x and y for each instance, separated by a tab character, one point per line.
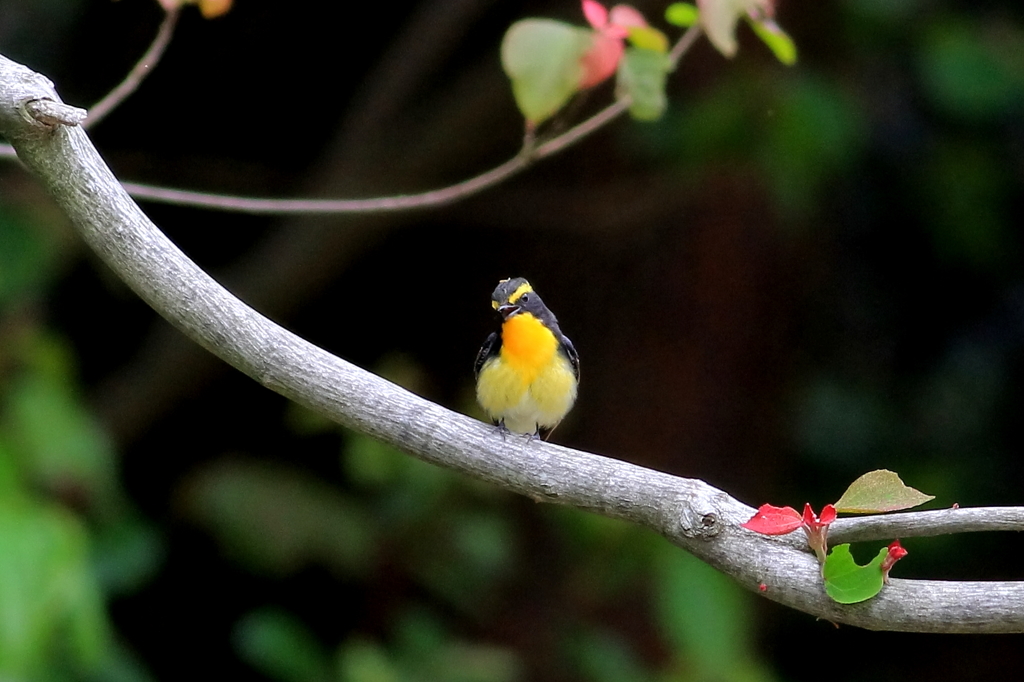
846	581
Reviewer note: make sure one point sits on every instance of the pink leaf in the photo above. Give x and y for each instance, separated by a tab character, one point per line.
601	60
595	13
771	520
626	16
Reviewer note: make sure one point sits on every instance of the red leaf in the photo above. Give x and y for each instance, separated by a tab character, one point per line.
813	521
771	520
809	518
896	552
817	529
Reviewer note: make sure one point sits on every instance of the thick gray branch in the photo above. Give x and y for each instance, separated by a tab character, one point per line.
690	513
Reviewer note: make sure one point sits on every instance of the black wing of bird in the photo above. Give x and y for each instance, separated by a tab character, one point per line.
490	347
574	357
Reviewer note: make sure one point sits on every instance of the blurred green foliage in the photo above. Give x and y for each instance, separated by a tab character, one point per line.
460	542
59	563
973	70
50	606
69	539
797	131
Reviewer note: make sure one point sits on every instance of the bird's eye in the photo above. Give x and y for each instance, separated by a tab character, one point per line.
525	298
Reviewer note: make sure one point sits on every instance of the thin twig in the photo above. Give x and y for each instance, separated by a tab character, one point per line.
927	523
438	197
532	152
142	68
684	44
578	132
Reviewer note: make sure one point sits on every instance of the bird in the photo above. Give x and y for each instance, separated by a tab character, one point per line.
528	372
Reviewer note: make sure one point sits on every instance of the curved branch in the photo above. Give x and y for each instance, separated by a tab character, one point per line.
432	199
531	152
688	512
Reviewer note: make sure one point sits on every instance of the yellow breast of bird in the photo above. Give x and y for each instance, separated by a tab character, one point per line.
530	382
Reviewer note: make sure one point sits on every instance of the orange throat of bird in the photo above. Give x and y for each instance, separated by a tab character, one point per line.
527	344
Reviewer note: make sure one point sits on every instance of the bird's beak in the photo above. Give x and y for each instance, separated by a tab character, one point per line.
508	310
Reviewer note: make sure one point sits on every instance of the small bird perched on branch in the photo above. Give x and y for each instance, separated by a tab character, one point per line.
526	373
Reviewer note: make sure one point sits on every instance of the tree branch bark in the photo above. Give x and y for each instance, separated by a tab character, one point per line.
691	514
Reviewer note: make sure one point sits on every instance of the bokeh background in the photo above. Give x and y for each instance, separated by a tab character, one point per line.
798	275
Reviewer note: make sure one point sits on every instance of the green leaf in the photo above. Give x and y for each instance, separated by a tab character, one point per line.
776	39
719	18
705	618
682	14
879	491
281	646
542	58
426	651
642	75
971	71
848	583
126	554
50	606
278	519
648	38
57	440
360	660
30	250
603	655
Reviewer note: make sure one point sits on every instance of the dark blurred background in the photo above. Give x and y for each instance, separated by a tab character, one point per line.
796	276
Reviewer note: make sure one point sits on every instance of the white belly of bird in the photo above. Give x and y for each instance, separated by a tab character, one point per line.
523	406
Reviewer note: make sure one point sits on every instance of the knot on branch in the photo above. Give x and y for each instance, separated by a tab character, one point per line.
51	113
703	523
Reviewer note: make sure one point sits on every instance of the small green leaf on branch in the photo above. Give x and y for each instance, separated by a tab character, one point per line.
781	45
543	59
647	38
848	583
642	75
718	18
682	14
879	491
